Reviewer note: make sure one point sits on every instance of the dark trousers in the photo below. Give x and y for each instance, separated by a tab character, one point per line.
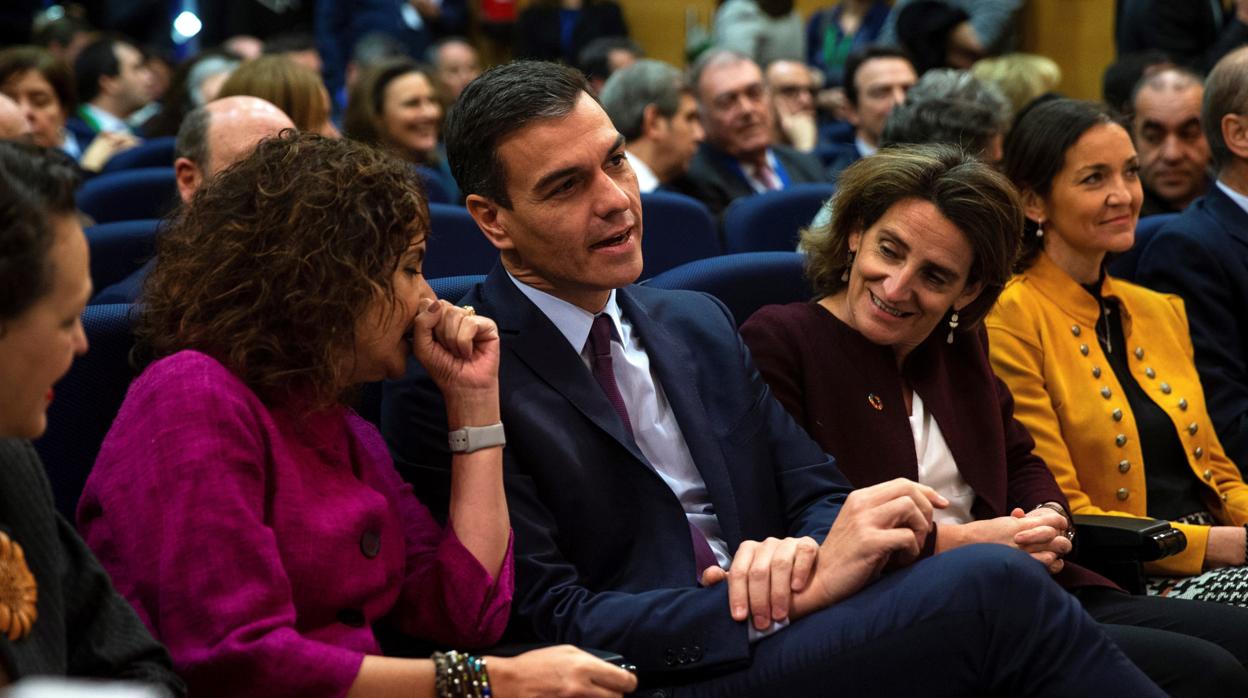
1189	648
979	620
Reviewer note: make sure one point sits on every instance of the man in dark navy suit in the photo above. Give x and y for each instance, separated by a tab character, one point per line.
645	456
1203	257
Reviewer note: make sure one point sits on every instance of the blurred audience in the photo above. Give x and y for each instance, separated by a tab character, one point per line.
876	80
738	157
395	106
1174	155
457	64
195	83
413	24
764	30
558	30
988	26
1121	77
113	83
654	109
300	48
792	88
61	615
1201	257
291	87
44	89
605	55
1194	34
833	33
244	46
13	123
1021	77
63	35
952	107
937	34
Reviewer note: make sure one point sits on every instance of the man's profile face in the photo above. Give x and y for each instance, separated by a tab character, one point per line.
574	228
1174	154
680	135
734	105
134	79
882	84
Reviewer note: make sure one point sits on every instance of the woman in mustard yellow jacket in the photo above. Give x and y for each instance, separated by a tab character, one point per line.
1102	370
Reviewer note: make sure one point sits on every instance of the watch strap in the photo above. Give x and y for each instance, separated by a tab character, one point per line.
469	439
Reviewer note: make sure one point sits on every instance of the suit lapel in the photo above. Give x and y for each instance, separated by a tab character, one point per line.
671	361
539	345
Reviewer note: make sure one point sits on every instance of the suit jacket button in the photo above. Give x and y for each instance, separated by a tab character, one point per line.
370	544
1123	493
1124	466
1208	474
669	657
1139	352
353	617
1150	372
1165	388
695	653
1083	349
1183	404
1106	392
1117	415
1198	452
1075	330
1193	428
1121	440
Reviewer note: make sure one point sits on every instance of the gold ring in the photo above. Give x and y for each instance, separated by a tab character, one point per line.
471	310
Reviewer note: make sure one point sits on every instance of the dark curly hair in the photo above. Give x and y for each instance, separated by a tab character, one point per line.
272	263
35	185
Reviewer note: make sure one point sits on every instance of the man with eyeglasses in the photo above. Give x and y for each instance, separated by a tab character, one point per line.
792	86
739	156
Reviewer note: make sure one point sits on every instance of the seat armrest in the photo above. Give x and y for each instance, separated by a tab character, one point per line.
1126	539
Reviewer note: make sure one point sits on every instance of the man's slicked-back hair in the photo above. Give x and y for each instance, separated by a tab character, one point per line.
713	57
502	101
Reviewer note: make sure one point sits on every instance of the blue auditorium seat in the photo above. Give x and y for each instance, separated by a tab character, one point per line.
119	249
772	221
127	195
744	282
85	402
153	152
457	246
677	229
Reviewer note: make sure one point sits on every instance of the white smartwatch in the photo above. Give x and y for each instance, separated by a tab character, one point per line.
469	439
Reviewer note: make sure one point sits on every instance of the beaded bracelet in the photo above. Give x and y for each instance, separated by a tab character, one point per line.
460	675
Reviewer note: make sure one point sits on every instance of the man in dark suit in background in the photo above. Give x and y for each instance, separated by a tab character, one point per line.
646	456
1195	33
1203	257
738	157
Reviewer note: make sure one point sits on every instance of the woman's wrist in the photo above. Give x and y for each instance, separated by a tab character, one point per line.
472	409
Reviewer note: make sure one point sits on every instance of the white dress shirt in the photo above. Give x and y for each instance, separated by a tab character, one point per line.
937	468
646	179
1238	198
758	185
655	429
106	122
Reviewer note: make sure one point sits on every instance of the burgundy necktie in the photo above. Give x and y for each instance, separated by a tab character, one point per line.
604	373
767	176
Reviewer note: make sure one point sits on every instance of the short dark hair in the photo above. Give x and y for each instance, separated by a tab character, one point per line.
192	140
35	185
60	31
855	61
502	101
97	59
289	42
1035	151
594	59
977	199
271	265
21	59
1120	78
1225	93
